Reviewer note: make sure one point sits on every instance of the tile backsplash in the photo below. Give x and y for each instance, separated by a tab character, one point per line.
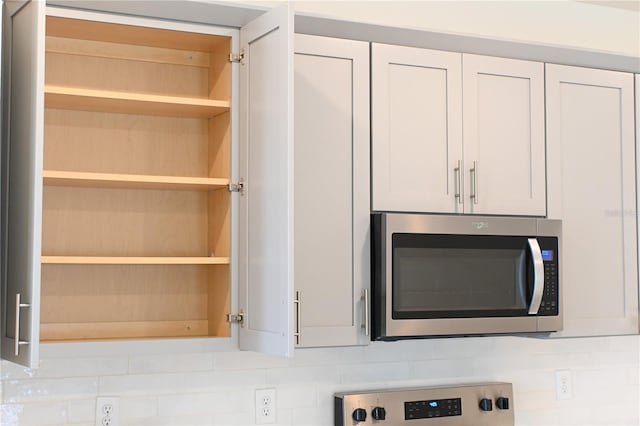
218	388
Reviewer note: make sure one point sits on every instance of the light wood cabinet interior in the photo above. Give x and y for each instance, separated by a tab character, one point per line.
136	208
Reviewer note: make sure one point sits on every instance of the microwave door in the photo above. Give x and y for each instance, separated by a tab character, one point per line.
461	276
538	276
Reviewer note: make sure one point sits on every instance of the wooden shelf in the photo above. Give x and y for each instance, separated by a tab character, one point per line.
112	180
122	330
73	98
131	260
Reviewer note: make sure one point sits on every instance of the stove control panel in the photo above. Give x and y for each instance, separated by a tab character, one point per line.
487	404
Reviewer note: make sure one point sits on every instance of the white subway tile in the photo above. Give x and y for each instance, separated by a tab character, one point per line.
170	363
64	368
48	389
247	360
327	356
82	411
133	408
296	396
592	385
588	344
220	380
153	384
9	370
187	404
441	369
283	418
532	400
597	358
312	417
237	418
374	372
183	420
42	413
240	400
218	388
526	380
321	374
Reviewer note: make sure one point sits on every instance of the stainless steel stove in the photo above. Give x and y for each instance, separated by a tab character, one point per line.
486	404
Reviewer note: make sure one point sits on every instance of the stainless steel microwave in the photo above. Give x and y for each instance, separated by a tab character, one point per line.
439	275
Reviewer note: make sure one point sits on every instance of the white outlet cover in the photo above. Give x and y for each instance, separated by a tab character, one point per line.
563	384
107	411
265	406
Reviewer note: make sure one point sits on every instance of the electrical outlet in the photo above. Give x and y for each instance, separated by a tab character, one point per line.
265	406
107	410
563	384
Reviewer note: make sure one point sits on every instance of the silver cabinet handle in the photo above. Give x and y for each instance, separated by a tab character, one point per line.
473	173
367	316
458	183
298	333
17	341
538	276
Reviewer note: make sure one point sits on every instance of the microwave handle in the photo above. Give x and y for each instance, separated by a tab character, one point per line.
538	276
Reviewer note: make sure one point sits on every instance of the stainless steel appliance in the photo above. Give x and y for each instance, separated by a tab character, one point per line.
438	275
489	404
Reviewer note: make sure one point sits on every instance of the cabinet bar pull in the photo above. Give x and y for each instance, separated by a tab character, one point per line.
457	183
17	341
473	172
367	317
297	333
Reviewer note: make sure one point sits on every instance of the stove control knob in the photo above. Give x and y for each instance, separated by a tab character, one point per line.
502	403
359	415
379	413
486	404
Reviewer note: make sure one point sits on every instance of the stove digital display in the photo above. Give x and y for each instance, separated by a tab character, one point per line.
427	409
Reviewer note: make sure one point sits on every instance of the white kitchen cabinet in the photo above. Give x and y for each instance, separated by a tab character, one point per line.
416	117
592	188
139	199
331	195
504	140
457	133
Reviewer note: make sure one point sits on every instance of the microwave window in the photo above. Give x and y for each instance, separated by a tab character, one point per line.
458	282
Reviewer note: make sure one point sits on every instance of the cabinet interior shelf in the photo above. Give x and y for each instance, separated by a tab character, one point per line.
133	260
72	98
113	180
53	332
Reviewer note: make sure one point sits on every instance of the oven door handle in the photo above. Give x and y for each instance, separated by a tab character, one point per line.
538	276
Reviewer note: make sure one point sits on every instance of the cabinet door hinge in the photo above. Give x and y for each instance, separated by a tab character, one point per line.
237	187
236	318
237	57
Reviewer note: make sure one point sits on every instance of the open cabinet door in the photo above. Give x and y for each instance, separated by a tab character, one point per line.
22	152
266	166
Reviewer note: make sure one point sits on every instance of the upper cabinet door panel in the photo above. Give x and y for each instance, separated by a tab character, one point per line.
23	80
416	129
504	140
331	188
592	184
266	164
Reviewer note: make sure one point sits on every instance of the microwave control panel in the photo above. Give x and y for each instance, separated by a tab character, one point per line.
550	297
